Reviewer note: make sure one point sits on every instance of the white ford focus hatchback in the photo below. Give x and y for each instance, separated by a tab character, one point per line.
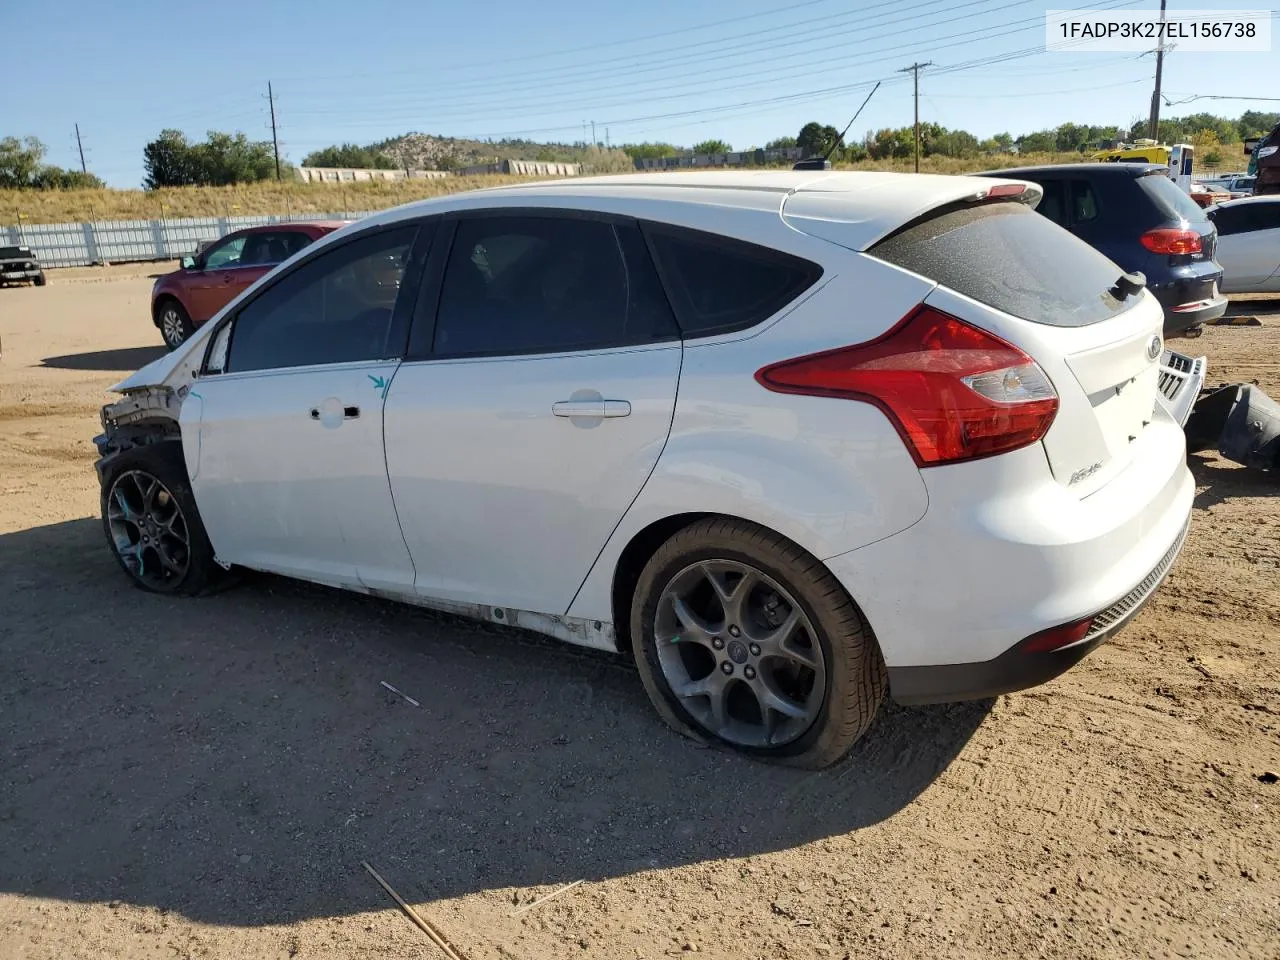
789	439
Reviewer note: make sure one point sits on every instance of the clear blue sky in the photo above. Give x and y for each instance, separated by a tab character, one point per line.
362	70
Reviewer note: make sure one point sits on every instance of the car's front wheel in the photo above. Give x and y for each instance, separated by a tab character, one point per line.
174	323
741	636
152	525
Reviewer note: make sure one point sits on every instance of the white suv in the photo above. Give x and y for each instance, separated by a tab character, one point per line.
786	438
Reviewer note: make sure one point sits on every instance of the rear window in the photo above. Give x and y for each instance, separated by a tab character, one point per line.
717	285
1170	198
1009	257
14	253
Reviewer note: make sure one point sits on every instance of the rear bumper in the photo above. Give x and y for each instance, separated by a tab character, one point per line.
1189	303
1019	669
1005	552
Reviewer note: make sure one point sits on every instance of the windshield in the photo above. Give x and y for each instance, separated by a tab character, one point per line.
15	253
1170	198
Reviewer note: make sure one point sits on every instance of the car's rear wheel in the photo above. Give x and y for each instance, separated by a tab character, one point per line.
152	525
741	636
174	323
41	280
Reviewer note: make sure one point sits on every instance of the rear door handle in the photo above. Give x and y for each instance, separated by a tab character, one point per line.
348	413
591	408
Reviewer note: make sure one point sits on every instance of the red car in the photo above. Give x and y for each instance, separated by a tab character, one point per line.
183	300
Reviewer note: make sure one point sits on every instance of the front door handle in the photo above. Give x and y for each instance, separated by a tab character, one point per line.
591	408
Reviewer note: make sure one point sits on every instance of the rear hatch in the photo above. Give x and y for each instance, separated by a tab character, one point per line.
1178	209
1004	268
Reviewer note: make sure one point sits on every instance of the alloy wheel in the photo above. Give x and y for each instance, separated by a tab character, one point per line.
148	529
171	327
740	654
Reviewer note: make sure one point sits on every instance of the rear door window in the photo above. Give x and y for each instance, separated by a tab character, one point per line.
1054	202
528	284
1246	218
1008	256
1170	199
1084	202
718	285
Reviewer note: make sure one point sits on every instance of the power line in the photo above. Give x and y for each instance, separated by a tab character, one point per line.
771	81
590	47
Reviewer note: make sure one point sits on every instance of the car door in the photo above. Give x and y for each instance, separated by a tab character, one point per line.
205	287
535	401
1249	246
283	429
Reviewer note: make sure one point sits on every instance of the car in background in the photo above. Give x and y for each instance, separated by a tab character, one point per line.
787	439
1249	243
183	300
1134	214
18	264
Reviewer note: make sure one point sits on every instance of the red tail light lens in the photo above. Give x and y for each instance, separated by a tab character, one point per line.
953	392
1172	241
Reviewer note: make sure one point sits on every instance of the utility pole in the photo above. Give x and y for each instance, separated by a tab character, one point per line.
80	146
275	142
593	134
1155	96
607	144
914	70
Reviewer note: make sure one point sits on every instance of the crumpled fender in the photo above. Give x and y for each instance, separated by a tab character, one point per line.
1245	423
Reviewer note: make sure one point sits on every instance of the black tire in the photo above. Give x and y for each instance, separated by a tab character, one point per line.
173	322
130	474
855	676
41	280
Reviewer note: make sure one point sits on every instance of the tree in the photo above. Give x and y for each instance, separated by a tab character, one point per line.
56	178
954	143
351	156
782	143
712	146
223	159
888	144
21	168
649	151
815	139
170	161
19	161
1042	141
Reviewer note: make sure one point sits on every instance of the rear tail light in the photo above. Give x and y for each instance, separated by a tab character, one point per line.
1055	638
953	392
1172	241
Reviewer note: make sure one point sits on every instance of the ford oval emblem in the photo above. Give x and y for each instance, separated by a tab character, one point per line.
1154	347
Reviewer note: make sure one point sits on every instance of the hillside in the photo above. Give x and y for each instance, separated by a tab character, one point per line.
429	152
292	197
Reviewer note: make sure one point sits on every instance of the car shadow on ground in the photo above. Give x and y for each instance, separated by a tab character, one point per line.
235	757
126	359
1259	305
1223	480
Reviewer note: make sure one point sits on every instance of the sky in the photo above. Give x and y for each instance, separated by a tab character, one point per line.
674	70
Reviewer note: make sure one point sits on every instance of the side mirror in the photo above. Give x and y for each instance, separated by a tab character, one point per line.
188	263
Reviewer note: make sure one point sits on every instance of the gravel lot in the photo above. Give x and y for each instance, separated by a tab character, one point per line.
202	778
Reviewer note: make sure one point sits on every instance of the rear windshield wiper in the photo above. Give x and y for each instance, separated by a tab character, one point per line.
1128	285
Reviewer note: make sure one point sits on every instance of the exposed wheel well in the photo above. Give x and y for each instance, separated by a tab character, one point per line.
634	556
160	302
640	550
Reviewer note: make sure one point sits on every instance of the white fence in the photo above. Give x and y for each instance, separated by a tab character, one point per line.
115	241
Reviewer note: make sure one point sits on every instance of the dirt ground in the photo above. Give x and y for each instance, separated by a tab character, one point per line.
203	778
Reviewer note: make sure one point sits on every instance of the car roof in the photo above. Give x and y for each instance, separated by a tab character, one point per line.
1242	201
325	224
864	206
1117	169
